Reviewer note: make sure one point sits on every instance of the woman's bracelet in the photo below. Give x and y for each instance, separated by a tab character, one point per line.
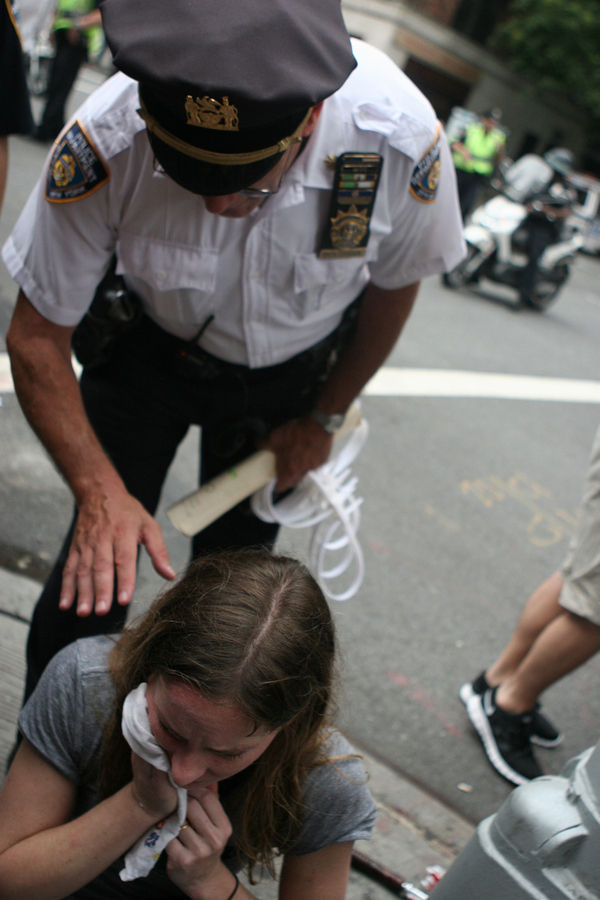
137	800
237	884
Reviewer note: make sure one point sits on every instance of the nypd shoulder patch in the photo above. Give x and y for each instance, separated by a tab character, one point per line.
426	174
76	169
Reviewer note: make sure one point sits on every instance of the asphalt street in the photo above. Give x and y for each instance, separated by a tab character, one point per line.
469	502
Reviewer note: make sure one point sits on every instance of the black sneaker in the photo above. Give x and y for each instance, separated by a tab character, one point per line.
505	738
543	732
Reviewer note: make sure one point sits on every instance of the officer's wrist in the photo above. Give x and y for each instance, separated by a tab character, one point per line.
329	422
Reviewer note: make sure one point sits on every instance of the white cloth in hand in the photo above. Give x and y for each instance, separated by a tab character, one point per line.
135	725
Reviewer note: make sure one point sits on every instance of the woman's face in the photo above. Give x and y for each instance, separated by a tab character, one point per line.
205	741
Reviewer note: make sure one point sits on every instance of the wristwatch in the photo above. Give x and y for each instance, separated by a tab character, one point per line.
330	422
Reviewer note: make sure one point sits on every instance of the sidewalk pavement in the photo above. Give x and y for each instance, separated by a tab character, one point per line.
414	831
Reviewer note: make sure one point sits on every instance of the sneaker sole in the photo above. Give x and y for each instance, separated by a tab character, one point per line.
466	692
544	742
481	724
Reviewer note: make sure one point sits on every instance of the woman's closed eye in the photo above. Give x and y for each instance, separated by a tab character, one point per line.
220	754
223	754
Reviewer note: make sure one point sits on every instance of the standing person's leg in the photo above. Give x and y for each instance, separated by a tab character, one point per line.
270	398
239	527
226	442
3	166
565	644
541	608
141	440
541	233
468	188
506	717
65	67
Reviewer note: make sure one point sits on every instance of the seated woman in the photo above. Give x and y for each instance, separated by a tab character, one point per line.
236	662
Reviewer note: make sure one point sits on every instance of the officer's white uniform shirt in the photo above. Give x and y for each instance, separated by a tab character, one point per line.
260	276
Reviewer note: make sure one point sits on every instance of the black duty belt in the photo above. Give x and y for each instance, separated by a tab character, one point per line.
151	342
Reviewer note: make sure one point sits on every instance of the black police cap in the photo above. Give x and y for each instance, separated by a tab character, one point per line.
226	86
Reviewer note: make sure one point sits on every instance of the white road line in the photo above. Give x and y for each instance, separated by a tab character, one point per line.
390	382
6	383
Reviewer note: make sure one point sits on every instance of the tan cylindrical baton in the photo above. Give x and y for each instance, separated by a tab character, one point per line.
202	507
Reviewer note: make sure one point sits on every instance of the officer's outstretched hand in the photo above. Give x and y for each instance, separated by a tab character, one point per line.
110	526
299	445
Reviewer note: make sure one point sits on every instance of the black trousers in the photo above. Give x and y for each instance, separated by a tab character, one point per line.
141	405
468	185
540	234
66	64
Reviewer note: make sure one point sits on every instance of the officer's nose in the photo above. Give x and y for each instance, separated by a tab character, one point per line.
219	204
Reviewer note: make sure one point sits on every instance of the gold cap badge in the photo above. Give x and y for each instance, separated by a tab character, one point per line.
206	112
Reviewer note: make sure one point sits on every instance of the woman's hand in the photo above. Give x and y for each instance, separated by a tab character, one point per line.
152	789
194	863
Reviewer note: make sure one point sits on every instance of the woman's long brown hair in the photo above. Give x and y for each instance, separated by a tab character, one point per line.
252	628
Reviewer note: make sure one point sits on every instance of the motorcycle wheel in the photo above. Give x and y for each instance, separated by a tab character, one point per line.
459	276
541	300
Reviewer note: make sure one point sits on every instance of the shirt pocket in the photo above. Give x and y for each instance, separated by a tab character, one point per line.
166	266
324	286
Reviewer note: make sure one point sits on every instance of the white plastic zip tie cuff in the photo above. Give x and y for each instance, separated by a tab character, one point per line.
325	500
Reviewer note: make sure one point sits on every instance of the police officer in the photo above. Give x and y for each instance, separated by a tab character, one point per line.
272	196
547	209
476	155
77	36
15	111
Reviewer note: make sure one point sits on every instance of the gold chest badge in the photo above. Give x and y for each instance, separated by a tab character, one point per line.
354	189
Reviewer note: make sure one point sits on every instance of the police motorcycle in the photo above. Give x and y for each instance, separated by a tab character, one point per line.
497	242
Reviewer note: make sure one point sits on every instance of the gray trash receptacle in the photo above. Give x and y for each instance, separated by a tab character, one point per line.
543	843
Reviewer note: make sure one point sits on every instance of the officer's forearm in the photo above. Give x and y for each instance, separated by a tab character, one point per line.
49	394
381	319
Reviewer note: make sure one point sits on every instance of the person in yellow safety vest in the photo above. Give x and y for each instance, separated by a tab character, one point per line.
476	154
77	35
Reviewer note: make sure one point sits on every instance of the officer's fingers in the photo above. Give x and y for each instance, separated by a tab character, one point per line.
126	566
103	578
82	580
69	580
153	541
289	473
291	467
94	579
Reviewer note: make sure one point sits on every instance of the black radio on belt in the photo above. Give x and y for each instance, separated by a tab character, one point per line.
354	188
114	312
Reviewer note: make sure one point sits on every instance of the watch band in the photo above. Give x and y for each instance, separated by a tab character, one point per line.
330	422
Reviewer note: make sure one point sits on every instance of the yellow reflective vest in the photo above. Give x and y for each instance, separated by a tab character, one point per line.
67	10
483	147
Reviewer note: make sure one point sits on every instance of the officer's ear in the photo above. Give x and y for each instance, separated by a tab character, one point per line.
313	119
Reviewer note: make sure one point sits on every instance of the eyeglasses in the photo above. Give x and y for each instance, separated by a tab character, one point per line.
254	193
250	192
258	193
262	193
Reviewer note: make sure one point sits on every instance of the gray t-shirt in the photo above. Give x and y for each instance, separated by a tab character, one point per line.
64	720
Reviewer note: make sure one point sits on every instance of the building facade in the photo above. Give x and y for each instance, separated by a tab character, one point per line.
439	44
